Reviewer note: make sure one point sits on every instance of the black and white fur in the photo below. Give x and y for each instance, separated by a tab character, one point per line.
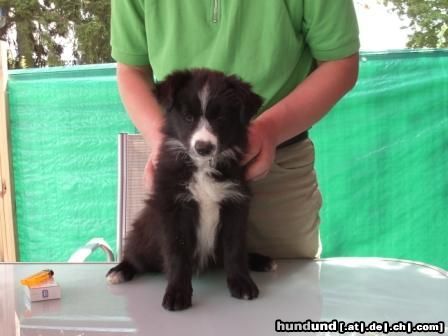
197	213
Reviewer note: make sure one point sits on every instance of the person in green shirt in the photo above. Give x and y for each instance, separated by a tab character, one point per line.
301	56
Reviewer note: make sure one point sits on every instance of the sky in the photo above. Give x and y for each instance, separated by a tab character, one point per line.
380	28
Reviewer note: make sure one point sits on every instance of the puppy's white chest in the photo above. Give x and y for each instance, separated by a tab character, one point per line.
208	193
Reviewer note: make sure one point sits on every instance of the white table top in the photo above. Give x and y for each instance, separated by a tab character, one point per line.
346	289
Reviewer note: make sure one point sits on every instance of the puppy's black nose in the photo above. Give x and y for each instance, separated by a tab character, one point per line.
204	148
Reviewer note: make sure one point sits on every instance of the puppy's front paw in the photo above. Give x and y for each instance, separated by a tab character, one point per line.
242	287
177	297
121	273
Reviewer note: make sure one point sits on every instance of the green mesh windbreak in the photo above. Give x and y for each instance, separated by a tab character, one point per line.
64	127
382	159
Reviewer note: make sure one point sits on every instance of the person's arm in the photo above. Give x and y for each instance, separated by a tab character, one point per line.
135	86
298	111
134	75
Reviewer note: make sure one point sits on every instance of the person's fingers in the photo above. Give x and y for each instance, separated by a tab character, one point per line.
259	167
253	149
148	174
152	162
256	172
258	177
249	156
253	145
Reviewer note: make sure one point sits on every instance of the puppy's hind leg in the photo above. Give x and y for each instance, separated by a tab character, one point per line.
261	263
123	272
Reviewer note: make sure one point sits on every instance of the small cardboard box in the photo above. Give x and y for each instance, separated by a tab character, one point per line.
48	290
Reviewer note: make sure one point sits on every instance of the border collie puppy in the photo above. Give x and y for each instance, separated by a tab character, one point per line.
197	213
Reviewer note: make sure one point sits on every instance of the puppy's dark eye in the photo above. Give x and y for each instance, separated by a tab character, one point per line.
221	118
220	115
188	117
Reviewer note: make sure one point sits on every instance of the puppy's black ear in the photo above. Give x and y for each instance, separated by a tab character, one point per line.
168	90
251	101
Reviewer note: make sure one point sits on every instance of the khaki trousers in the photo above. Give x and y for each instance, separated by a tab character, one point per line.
284	214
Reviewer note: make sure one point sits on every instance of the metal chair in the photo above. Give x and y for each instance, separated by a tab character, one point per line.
132	156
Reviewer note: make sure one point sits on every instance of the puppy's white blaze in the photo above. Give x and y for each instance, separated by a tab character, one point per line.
202	133
204	95
209	193
115	278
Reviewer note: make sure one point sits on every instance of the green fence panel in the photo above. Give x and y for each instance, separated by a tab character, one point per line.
64	126
381	159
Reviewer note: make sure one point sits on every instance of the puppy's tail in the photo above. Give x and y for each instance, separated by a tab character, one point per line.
261	263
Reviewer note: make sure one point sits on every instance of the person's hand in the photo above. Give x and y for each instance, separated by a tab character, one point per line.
260	152
151	164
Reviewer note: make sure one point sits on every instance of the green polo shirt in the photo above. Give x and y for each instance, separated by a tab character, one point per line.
272	44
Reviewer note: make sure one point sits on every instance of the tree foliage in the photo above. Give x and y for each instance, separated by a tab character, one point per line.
428	20
39	30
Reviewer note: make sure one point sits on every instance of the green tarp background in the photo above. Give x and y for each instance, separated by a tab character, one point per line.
381	159
64	128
